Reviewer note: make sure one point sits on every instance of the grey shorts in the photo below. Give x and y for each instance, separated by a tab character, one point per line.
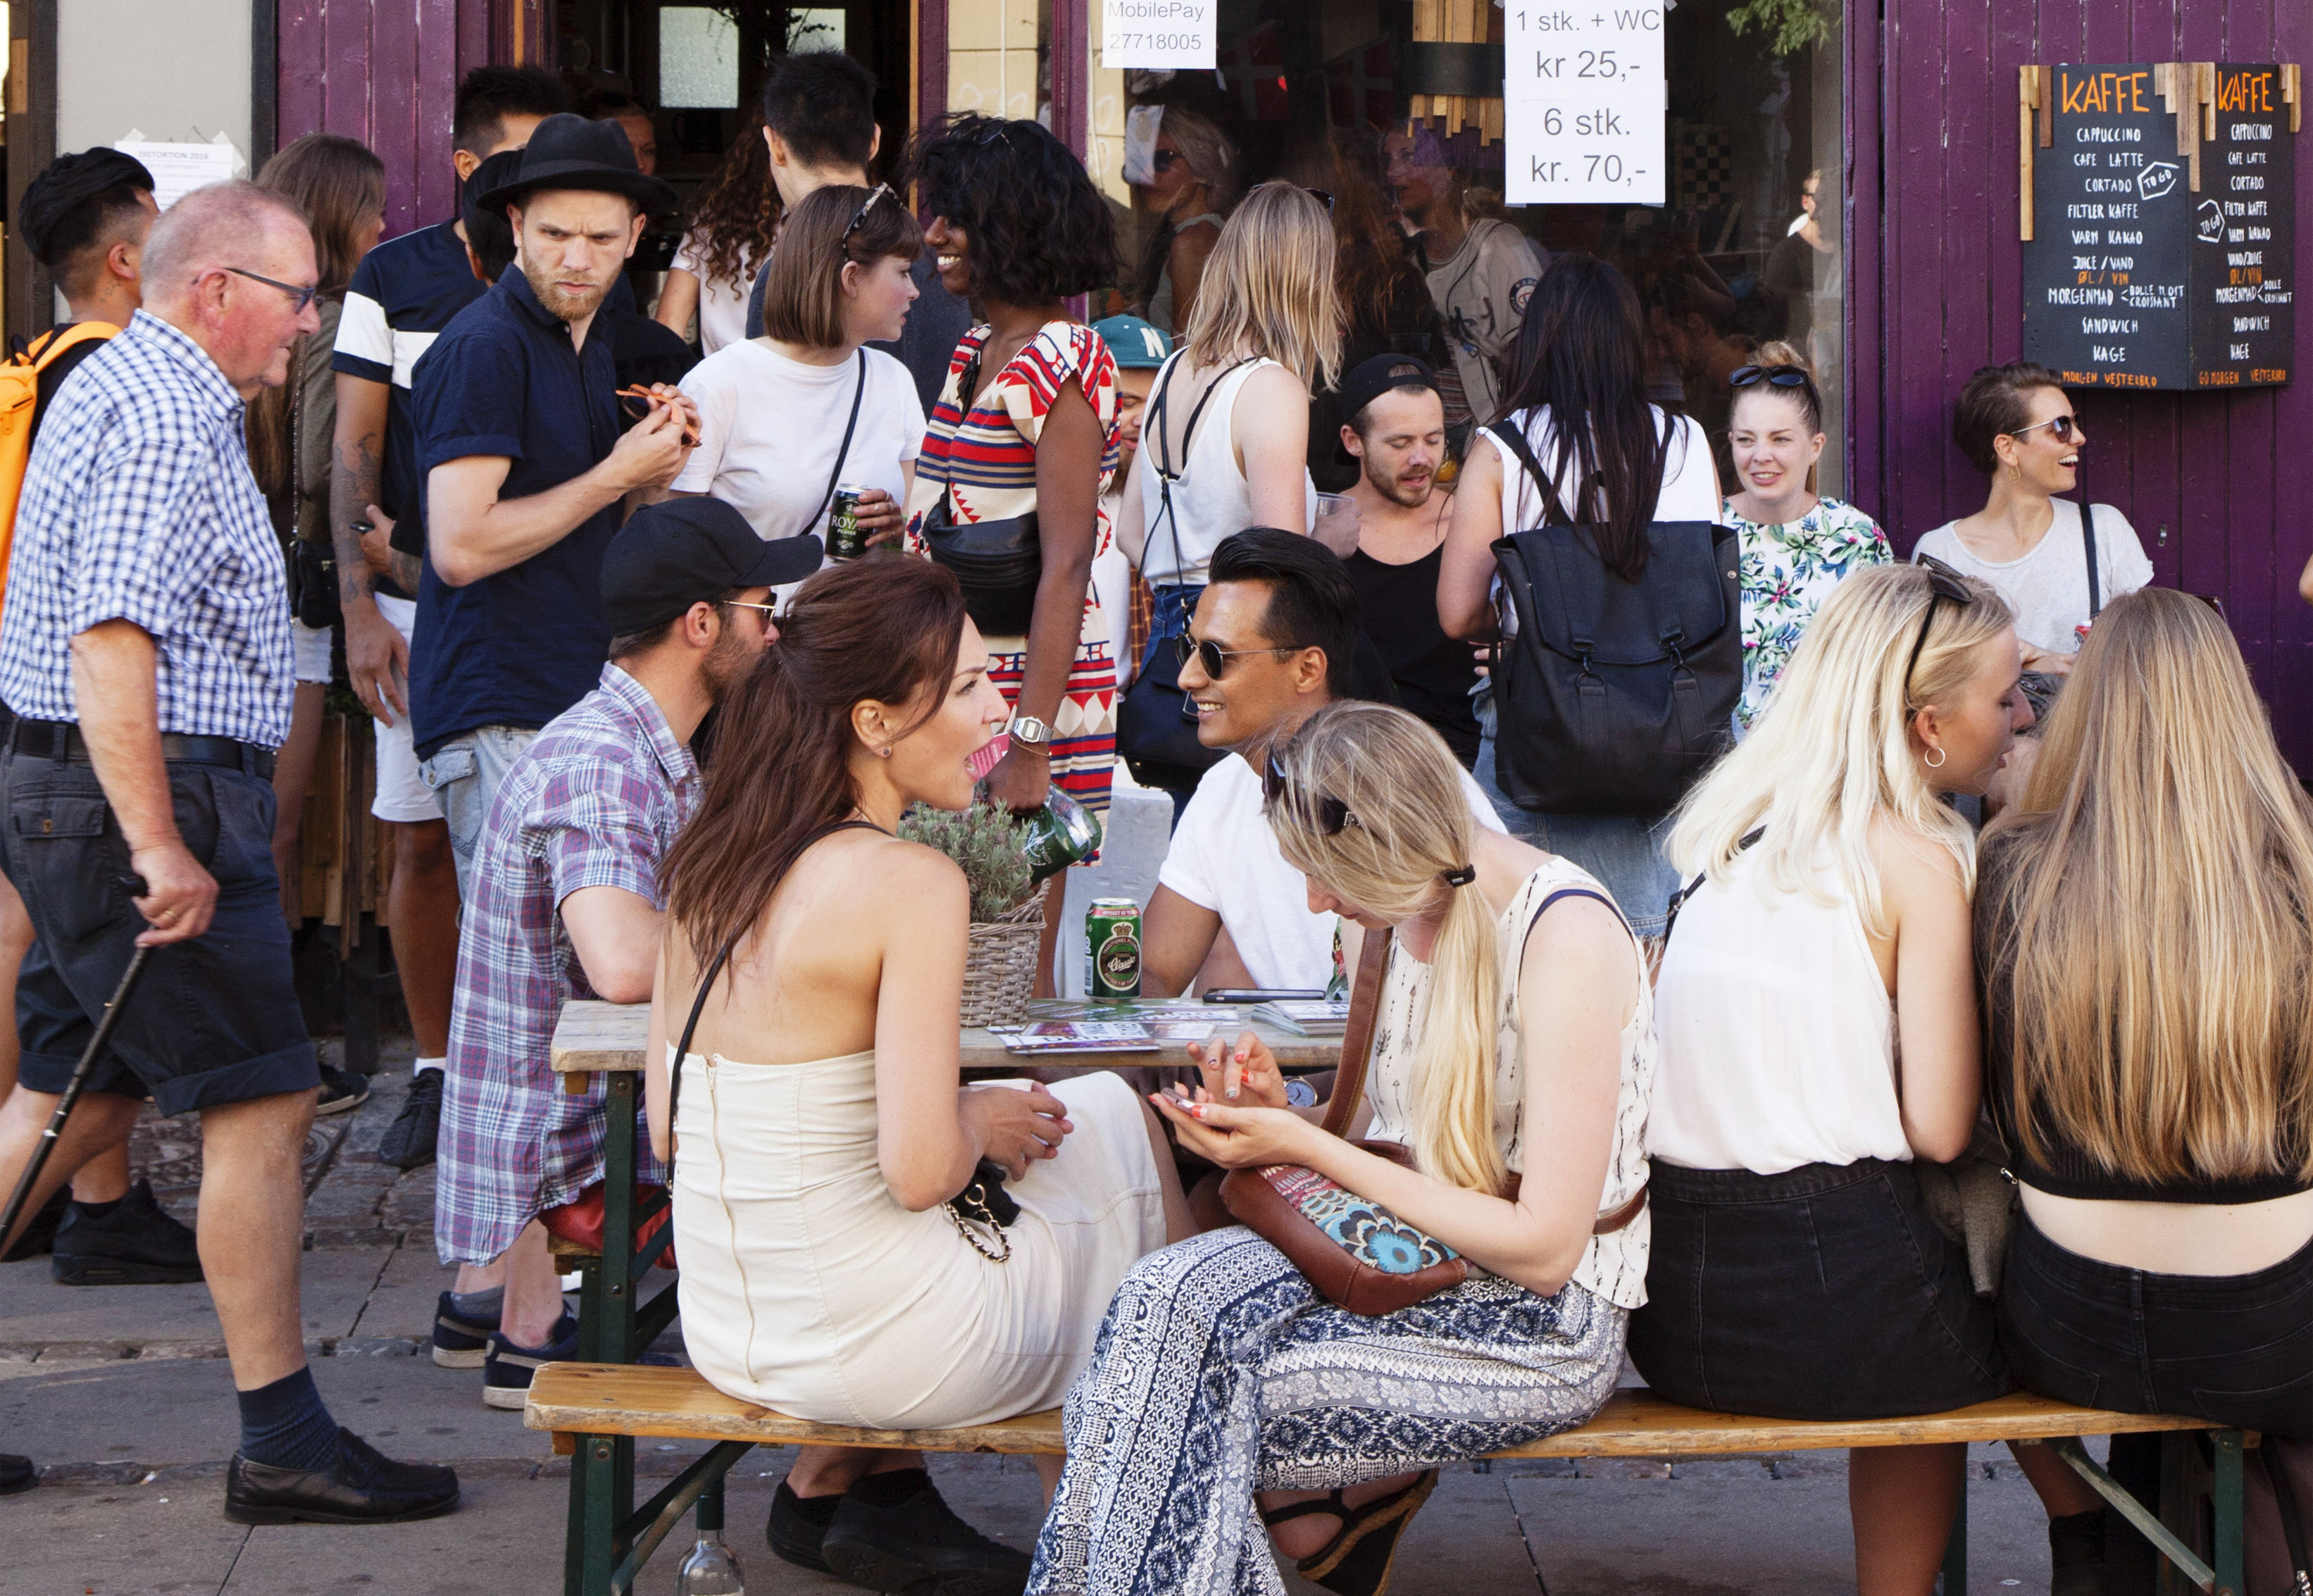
465	774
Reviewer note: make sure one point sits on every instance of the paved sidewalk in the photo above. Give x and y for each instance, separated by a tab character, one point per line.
121	1395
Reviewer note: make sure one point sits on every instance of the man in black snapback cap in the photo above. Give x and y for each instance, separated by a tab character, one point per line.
567	865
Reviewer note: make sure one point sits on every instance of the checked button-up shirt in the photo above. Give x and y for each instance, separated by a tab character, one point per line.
139	506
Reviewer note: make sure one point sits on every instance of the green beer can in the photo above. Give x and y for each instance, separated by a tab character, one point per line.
1113	948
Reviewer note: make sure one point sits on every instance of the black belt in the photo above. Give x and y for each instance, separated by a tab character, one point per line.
61	740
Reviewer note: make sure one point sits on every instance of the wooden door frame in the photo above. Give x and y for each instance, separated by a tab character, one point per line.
31	88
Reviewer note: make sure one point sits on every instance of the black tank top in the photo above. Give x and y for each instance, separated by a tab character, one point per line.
1433	672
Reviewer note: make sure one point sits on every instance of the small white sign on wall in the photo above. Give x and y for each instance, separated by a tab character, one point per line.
1160	32
1586	102
178	169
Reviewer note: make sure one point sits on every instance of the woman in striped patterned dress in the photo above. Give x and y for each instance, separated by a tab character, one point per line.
1017	226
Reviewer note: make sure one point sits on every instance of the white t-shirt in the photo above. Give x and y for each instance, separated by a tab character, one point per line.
1225	858
722	307
2048	588
768	428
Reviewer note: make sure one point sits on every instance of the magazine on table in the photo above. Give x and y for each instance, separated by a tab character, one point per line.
1320	1017
1081	1036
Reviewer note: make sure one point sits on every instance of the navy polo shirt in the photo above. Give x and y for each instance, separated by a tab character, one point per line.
518	647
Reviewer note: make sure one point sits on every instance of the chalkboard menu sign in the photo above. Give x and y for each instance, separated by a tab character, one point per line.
2161	198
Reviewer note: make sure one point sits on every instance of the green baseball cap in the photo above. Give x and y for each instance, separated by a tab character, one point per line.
1137	344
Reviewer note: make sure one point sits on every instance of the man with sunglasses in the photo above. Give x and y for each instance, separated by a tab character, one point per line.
1272	641
565	903
144	648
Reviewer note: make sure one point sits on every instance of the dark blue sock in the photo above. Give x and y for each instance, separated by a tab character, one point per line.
284	1424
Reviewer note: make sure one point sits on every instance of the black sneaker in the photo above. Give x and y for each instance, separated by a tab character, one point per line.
506	1367
2076	1554
409	1142
459	1343
135	1244
361	1485
341	1090
793	1534
17	1474
919	1547
39	1231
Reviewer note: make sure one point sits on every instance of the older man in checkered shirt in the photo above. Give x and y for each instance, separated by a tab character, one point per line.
144	652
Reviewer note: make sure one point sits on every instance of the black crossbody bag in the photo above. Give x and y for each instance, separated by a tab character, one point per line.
997	563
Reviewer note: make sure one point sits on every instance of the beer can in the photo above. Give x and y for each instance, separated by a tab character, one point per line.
845	541
1113	948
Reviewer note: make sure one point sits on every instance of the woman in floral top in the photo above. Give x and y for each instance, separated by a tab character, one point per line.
1795	547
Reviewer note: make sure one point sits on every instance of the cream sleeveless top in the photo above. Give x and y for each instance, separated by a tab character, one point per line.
1614	1267
1212	499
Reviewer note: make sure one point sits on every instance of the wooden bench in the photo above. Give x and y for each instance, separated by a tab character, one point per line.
594	1409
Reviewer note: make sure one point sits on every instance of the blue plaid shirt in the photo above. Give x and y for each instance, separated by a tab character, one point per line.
139	506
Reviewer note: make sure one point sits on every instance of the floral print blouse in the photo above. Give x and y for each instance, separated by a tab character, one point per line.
1788	571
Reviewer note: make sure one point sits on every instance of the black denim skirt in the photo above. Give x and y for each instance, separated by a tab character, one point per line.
2234	1348
1824	1292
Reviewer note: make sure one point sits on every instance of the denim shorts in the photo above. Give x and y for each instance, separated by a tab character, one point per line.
465	774
2234	1348
212	1021
1823	1292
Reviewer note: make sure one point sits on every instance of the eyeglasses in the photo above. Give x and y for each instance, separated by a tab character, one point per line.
636	402
2064	426
1944	584
1328	816
1781	376
859	219
1215	659
299	297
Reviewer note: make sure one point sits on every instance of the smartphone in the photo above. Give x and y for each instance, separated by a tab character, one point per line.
1264	994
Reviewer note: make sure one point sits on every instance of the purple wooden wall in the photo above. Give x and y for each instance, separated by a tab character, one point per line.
1935	291
385	72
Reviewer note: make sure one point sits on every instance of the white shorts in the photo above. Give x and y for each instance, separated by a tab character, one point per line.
402	794
309	653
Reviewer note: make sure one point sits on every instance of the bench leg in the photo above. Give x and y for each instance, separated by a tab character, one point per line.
617	1336
2179	1555
591	1547
2231	1575
1955	1574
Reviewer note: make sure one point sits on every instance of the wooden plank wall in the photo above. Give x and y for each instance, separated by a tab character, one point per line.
386	71
2219	487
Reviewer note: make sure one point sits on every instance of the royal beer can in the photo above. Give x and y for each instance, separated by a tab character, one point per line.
845	541
1113	948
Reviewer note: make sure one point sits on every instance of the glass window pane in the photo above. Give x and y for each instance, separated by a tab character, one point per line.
816	29
698	58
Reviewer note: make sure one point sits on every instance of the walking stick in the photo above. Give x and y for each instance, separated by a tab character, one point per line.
73	1088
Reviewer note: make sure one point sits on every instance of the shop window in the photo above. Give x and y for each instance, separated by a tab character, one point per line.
698	57
1341	95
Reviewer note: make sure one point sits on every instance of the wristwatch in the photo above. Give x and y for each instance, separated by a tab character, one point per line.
1034	735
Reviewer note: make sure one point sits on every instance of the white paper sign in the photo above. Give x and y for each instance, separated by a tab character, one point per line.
1160	32
1584	45
178	169
1587	148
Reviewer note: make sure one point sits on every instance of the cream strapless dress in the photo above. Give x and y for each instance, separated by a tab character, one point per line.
805	1287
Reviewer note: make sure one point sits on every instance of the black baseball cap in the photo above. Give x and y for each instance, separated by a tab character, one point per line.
1369	379
684	552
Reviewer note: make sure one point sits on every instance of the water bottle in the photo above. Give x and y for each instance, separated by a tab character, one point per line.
1058	835
710	1569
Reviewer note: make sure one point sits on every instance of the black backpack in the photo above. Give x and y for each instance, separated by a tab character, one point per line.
1615	696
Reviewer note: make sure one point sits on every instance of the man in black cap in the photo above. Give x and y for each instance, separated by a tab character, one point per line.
568	865
86	218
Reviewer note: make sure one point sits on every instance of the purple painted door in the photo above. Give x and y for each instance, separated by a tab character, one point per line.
386	71
2219	488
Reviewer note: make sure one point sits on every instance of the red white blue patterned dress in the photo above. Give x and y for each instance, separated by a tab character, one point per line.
987	461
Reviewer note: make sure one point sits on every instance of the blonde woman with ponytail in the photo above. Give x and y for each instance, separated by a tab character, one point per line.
1825	923
1230	1407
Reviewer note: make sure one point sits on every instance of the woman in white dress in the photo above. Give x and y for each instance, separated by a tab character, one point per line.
819	1130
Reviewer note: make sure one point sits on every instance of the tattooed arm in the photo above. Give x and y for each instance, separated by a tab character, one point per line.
377	659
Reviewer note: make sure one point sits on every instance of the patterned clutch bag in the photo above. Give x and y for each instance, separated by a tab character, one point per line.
1354	1252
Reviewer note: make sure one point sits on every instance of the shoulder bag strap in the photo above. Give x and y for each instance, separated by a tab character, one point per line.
2096	582
1357	1040
1165	475
1670	918
966	387
706	985
843	450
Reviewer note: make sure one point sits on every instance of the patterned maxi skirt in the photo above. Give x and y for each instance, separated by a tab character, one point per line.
1218	1372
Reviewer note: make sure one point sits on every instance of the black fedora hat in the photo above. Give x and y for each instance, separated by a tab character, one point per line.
569	152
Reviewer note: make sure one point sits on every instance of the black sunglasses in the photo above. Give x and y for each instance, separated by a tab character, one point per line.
1215	659
859	218
1327	817
1944	584
1781	376
300	297
1324	195
1165	160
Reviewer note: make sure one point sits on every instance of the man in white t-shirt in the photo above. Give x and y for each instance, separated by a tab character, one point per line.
1280	620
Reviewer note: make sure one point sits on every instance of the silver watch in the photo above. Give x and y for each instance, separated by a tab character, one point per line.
1031	734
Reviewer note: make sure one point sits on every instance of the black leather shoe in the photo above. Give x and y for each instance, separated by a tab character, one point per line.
409	1140
17	1473
919	1547
135	1244
361	1485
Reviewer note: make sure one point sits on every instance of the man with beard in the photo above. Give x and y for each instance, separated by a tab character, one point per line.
1397	432
564	900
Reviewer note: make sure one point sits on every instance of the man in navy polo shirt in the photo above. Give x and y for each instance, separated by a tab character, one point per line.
516	412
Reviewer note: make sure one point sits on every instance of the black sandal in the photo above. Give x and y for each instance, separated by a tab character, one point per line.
1356	1561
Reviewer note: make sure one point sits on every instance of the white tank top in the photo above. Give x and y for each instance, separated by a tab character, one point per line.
1778	1036
1212	499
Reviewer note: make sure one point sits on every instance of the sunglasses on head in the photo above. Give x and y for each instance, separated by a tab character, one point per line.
1327	817
1215	659
859	218
1323	195
2066	427
1781	376
1945	584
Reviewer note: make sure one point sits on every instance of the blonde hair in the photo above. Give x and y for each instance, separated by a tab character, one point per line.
1410	825
1268	288
1832	750
2154	889
1210	153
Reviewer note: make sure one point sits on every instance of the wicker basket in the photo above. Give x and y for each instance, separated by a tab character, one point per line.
1000	967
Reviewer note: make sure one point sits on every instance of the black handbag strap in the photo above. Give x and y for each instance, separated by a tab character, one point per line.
843	450
2088	537
706	985
1165	475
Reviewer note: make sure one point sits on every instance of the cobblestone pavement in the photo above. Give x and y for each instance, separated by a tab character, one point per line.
121	1395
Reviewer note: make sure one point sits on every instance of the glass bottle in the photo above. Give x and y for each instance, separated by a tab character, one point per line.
1058	835
710	1569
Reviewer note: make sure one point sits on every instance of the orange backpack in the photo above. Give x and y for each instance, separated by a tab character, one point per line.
20	393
